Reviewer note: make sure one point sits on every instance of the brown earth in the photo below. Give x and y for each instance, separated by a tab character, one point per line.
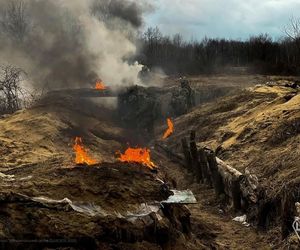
49	202
255	128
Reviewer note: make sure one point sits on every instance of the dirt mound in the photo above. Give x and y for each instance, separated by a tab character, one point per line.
106	206
49	202
257	129
115	205
47	131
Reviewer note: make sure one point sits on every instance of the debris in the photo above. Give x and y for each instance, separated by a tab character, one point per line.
86	208
182	197
242	219
143	211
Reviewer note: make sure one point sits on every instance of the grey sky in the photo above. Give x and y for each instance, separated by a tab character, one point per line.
222	18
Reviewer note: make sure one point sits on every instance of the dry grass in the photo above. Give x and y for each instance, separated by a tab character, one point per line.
257	128
48	129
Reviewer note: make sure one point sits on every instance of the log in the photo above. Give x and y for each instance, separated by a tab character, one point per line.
231	180
217	180
239	188
232	171
195	157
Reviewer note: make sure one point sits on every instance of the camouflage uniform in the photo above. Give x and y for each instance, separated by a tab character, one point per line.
183	98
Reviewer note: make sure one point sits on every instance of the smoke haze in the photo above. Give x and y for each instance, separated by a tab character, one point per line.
70	43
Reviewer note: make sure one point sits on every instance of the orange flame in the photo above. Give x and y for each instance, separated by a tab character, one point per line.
138	155
100	85
81	154
170	129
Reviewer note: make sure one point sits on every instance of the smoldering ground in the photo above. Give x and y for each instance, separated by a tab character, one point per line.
70	43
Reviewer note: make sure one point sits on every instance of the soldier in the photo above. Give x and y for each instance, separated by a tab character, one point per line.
190	95
183	98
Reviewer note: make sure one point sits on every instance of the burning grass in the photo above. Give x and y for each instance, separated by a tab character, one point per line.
82	157
137	155
170	129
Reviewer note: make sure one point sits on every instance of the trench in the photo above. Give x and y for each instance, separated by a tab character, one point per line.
233	194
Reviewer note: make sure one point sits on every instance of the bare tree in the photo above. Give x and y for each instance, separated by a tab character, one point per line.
292	30
14	20
10	89
259	54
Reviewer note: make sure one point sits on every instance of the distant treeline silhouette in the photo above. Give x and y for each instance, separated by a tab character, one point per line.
259	54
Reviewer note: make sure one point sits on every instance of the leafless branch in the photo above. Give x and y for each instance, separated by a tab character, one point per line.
292	30
10	89
14	20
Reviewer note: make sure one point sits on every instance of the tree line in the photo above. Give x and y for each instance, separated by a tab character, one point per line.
259	54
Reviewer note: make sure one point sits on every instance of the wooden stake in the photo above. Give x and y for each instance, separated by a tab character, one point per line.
195	157
216	177
186	152
204	166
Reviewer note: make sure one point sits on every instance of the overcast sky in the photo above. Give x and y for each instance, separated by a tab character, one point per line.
222	18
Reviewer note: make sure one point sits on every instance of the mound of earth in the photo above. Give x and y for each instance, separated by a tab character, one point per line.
108	206
49	202
257	128
48	129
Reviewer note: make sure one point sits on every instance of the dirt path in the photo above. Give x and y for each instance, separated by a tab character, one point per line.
209	222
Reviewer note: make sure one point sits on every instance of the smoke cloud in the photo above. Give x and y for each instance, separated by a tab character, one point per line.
70	43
